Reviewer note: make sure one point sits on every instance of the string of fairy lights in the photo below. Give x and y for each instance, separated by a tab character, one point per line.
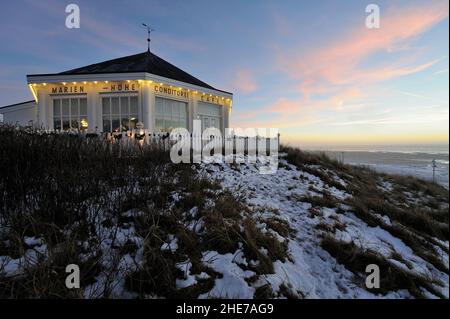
226	100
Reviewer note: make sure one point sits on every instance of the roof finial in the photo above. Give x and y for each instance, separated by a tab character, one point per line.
149	30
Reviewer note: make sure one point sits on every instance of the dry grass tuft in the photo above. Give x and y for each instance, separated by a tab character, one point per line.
392	278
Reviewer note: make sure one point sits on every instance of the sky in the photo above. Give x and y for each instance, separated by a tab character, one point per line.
310	68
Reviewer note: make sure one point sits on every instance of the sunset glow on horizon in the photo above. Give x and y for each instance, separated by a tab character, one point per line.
313	70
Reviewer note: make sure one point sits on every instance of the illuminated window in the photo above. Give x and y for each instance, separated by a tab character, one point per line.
170	114
70	114
119	113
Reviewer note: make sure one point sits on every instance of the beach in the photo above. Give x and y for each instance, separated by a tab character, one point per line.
414	163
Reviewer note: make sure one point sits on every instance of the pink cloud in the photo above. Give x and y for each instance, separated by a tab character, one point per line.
339	61
389	72
244	82
335	70
283	106
276	122
286	112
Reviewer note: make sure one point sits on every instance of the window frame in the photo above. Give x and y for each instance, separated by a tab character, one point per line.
62	117
175	116
112	117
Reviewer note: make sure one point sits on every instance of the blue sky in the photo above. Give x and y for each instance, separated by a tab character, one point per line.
310	68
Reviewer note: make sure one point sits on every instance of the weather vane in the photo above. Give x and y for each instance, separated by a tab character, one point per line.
149	30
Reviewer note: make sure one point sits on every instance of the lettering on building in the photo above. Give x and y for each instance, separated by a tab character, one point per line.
68	89
121	87
171	92
211	99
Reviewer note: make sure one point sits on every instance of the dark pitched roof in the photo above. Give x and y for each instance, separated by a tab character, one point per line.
15	104
142	62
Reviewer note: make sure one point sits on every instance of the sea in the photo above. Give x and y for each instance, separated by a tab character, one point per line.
413	160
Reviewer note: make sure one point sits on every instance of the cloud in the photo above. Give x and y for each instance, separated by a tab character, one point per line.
382	73
275	122
421	96
339	62
333	76
98	33
244	82
111	33
441	72
285	112
185	44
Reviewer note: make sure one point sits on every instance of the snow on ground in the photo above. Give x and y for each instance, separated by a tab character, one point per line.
232	284
14	266
311	272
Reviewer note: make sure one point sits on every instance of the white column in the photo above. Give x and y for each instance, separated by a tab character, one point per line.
49	103
190	111
148	106
152	108
43	112
226	115
194	113
94	109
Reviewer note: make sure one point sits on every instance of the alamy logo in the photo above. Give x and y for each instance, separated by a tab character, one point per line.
73	279
373	19
251	145
373	277
73	19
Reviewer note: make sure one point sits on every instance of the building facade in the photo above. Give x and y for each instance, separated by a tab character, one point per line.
116	95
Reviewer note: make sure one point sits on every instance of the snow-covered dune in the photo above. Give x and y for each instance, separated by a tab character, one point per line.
140	226
311	272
